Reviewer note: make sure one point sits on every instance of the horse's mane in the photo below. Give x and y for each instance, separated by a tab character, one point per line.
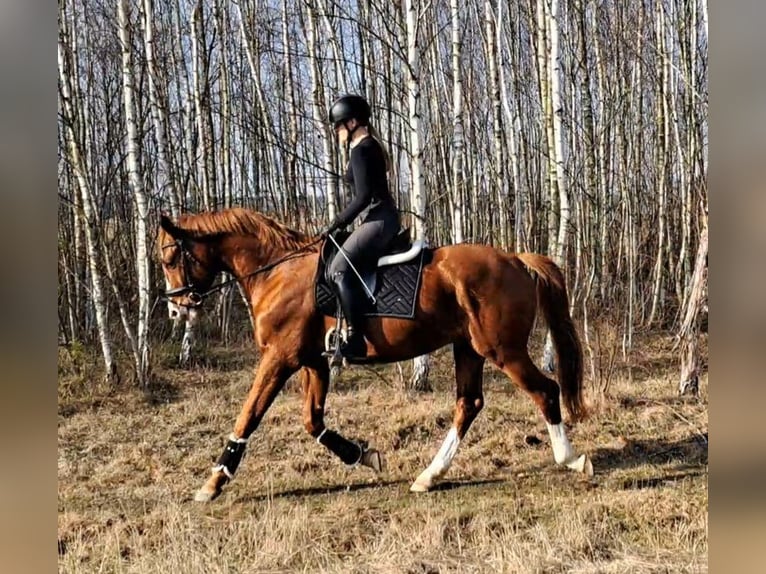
244	222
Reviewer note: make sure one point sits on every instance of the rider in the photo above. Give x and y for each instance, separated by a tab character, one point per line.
366	174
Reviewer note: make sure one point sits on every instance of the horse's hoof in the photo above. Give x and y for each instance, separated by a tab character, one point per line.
418	486
588	467
204	496
373	459
423	483
583	465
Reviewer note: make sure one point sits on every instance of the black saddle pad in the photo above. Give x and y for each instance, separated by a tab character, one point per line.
396	289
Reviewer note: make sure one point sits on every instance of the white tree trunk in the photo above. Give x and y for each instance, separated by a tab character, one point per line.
547	176
292	126
513	127
140	196
498	162
222	25
318	102
690	325
201	105
663	121
558	243
421	365
603	172
458	145
89	216
558	137
165	182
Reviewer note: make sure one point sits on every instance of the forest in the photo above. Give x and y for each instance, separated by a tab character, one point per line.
577	129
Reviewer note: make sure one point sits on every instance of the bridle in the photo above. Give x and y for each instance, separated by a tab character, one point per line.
195	295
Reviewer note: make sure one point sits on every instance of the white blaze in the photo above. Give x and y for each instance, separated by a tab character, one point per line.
175	312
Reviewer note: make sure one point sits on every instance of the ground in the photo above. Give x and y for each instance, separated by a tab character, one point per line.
129	463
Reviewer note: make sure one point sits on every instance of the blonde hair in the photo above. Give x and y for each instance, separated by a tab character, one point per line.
376	136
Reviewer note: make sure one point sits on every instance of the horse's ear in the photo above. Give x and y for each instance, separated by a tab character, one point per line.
170	228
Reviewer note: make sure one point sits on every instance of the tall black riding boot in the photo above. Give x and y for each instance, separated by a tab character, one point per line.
353	305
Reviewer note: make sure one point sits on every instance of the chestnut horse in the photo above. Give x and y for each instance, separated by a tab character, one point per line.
480	299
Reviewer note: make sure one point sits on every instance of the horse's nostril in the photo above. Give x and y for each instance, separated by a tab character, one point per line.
174	314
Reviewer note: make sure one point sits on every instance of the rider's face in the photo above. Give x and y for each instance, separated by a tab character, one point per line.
342	130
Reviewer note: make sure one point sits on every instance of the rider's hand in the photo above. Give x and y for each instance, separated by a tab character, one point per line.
332	228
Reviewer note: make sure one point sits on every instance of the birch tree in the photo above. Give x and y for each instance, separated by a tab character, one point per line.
73	129
318	110
457	128
166	184
576	129
421	365
139	193
689	333
663	123
560	244
200	70
498	172
552	106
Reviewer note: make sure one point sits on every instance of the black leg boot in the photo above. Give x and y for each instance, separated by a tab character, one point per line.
353	307
354	347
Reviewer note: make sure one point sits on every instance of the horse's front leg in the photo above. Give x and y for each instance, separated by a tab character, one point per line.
271	376
315	381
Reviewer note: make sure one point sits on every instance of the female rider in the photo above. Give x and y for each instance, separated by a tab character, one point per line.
372	200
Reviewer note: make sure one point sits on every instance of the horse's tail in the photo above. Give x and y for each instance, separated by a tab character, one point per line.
554	302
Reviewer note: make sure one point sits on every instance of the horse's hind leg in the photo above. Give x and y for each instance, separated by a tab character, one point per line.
545	393
470	400
315	381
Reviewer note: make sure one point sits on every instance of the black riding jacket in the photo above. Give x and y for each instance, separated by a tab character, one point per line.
366	174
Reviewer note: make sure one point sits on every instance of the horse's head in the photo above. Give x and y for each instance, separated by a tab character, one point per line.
189	267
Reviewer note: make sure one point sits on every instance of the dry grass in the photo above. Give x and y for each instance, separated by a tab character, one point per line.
128	465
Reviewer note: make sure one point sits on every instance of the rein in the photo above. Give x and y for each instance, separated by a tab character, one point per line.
195	296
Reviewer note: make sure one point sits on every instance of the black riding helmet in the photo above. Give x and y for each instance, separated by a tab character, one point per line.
350	107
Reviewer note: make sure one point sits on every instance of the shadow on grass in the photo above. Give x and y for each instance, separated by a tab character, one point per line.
320	490
658	481
361	487
689	454
161	391
630	402
453	484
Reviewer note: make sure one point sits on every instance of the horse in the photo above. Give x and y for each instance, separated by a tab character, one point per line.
480	299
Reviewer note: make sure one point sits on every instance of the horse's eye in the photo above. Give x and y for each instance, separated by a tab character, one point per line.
171	263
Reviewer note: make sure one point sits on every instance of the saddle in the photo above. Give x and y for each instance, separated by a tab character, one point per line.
394	282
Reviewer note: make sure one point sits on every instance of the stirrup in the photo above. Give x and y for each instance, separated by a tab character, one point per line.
332	346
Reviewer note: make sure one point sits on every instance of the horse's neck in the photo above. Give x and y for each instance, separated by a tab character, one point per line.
244	255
